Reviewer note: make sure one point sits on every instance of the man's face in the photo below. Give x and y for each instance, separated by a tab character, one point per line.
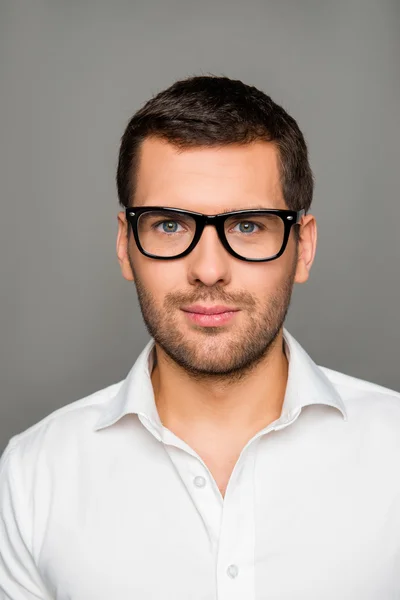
211	181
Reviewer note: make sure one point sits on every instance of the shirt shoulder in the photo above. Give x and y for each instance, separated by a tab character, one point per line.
64	423
352	386
366	402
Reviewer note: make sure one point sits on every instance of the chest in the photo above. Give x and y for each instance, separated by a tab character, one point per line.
221	471
220	455
220	462
293	525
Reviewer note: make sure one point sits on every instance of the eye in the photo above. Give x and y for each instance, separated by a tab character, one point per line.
246	227
169	226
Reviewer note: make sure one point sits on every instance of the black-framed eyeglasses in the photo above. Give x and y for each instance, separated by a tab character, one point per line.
252	235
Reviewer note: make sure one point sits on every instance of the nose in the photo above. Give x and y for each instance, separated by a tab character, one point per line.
209	262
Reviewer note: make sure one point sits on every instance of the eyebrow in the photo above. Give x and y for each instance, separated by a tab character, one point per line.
256	207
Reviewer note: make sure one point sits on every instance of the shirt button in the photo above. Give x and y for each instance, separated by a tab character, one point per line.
199	481
232	571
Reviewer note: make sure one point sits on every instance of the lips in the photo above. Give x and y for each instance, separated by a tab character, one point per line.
210	316
208	310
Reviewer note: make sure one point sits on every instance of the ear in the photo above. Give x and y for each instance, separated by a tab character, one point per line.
307	247
122	247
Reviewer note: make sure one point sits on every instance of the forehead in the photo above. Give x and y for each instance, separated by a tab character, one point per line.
208	179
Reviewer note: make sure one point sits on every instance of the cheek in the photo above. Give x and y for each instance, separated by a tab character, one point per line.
159	277
260	279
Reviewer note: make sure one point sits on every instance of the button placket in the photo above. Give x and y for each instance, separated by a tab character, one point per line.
198	481
206	501
235	566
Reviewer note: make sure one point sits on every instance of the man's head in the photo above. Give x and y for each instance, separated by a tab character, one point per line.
212	145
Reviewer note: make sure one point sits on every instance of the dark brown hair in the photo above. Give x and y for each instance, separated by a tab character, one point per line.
216	111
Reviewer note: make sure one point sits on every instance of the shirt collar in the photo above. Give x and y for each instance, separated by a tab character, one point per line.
306	384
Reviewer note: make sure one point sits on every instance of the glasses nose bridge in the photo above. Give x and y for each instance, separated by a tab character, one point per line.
210	220
215	221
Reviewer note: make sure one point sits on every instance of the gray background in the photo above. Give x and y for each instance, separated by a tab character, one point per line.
72	74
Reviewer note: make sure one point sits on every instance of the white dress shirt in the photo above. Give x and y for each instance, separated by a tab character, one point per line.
99	501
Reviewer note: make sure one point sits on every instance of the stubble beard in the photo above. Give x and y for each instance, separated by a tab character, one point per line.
214	352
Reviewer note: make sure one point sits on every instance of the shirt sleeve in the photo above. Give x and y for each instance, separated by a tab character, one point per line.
19	576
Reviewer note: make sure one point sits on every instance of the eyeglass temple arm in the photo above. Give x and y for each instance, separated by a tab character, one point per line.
300	215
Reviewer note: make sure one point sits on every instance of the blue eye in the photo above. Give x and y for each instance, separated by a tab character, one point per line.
168	226
246	227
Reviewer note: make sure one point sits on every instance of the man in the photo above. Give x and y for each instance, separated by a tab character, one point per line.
227	465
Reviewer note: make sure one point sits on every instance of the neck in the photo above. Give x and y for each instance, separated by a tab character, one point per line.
238	407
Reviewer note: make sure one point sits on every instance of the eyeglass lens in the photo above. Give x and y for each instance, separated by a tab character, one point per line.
254	236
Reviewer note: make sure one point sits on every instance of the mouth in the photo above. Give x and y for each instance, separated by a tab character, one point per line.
210	316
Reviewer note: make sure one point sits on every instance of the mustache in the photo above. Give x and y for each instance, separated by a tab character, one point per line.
213	295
